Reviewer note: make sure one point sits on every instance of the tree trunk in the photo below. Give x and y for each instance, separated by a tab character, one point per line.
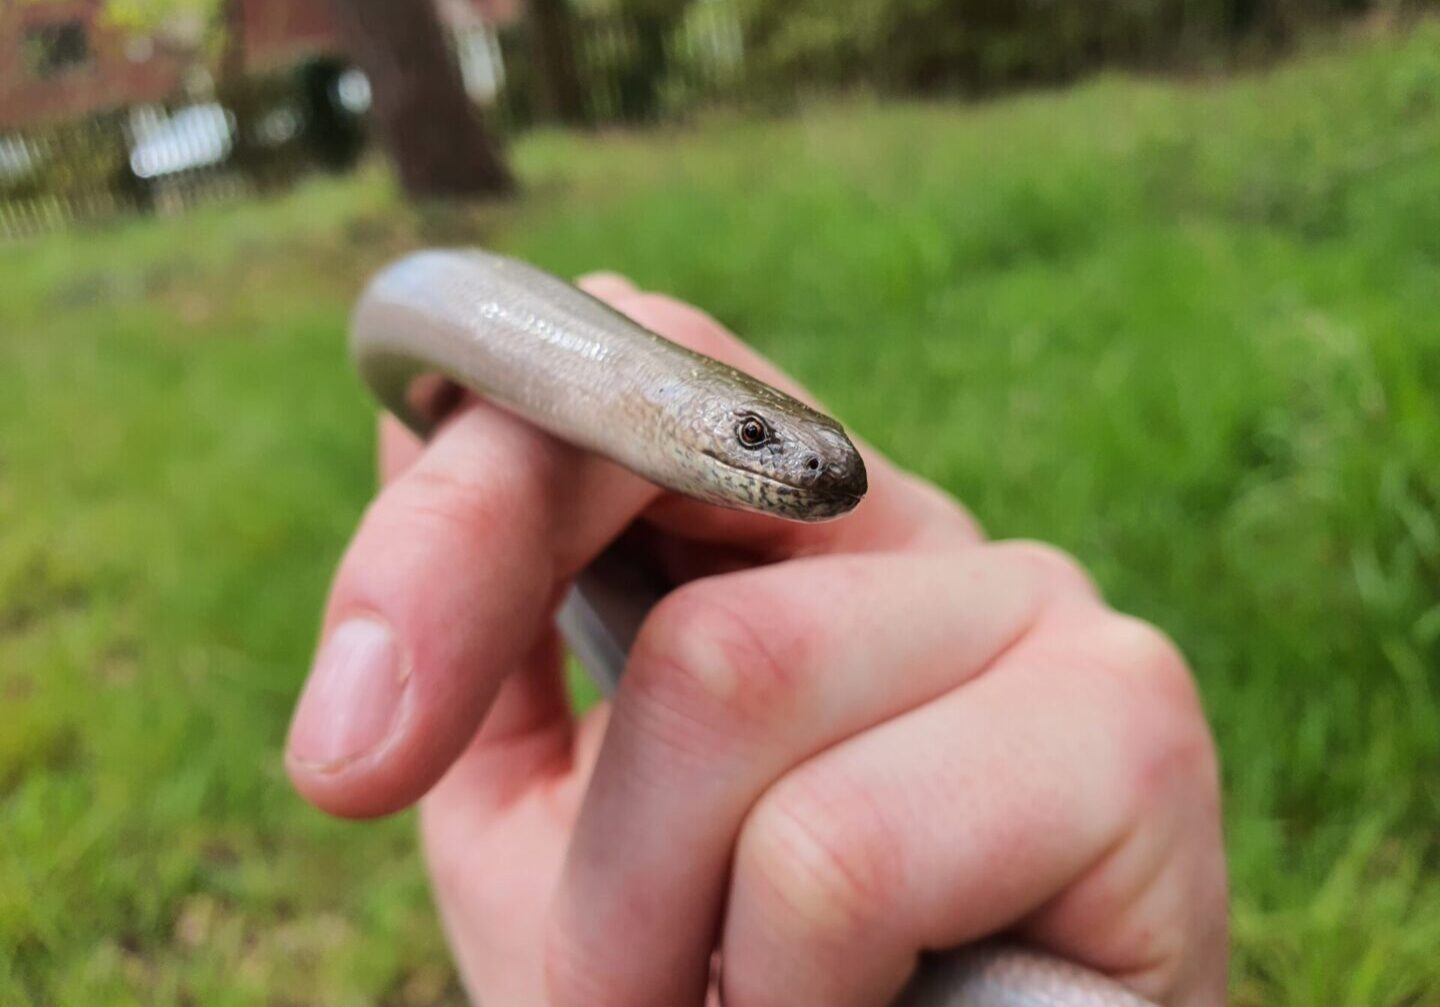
433	132
558	95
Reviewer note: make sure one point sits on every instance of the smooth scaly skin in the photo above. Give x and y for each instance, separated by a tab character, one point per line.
592	377
1001	975
587	374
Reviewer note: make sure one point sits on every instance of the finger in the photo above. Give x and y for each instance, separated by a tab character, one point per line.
449	582
495	829
606	286
733	680
399	448
1052	794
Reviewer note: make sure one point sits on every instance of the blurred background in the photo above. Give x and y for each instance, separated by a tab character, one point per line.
1156	280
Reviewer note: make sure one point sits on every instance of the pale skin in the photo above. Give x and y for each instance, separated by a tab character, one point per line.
835	746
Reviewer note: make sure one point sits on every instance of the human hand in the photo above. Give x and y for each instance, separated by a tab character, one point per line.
835	746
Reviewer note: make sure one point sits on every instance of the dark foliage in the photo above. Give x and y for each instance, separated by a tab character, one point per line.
909	46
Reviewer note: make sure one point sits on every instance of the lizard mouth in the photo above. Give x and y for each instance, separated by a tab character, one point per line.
817	500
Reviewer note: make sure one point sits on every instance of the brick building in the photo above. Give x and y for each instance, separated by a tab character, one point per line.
63	60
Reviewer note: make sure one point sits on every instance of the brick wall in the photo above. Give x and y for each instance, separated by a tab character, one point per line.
280	33
90	68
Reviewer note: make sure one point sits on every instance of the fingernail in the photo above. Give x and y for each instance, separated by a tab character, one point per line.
352	697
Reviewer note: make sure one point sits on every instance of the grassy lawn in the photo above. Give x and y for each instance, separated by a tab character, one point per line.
1190	332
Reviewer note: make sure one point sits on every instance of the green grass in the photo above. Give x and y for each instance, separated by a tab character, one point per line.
1190	332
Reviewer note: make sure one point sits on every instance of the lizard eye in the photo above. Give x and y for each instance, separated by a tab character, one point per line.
752	432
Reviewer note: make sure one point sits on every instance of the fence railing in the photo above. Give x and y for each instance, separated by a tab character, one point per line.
144	159
259	135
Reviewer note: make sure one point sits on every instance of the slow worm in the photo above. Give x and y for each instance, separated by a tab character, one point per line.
590	376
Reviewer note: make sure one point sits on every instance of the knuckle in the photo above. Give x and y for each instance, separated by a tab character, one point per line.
451	502
483	473
1169	742
1151	659
825	858
704	653
1057	569
435	497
